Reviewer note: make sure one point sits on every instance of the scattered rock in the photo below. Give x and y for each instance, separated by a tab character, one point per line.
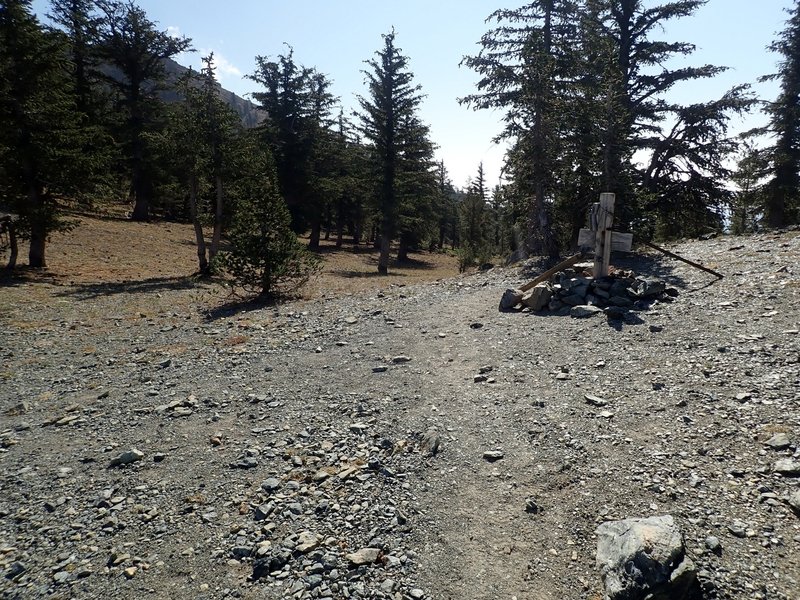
779	441
431	442
493	455
787	467
365	556
131	456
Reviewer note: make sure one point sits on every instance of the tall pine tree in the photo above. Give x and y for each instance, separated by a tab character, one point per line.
388	123
135	50
783	194
40	128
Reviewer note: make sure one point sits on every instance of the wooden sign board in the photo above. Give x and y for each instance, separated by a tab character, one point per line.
620	242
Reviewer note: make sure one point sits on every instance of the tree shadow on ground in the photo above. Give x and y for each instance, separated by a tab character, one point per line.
24	275
236	305
87	291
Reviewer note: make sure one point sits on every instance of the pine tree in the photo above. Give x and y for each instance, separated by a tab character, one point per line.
79	20
387	122
203	134
687	159
526	63
131	44
298	103
264	255
750	198
40	133
474	224
783	198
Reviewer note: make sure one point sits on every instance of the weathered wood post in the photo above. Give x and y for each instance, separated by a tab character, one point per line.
602	222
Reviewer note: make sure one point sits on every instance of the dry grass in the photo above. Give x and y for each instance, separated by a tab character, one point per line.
115	256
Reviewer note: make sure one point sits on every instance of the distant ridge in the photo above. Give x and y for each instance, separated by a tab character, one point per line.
250	114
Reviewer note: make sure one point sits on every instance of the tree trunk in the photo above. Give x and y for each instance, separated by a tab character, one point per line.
316	229
217	234
339	224
13	246
141	205
383	260
198	228
402	251
36	256
38	225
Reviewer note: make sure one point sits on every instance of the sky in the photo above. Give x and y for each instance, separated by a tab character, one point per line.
337	36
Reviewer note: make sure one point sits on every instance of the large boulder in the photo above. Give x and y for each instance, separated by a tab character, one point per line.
510	299
538	297
645	559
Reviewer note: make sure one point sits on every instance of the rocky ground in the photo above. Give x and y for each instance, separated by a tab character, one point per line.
412	443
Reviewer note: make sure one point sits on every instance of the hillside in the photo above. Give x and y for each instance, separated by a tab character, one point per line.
389	438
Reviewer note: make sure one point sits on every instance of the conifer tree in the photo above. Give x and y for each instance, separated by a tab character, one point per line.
264	255
388	122
203	134
40	133
783	194
131	44
298	103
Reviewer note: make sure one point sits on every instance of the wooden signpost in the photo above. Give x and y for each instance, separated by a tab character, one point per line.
601	236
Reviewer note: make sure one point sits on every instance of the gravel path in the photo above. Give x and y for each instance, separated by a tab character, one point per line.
409	444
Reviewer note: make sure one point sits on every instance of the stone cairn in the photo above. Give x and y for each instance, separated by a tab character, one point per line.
574	292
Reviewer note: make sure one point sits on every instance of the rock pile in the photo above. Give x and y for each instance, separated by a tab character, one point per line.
575	293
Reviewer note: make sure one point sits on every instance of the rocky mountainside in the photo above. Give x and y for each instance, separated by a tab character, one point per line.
249	112
410	443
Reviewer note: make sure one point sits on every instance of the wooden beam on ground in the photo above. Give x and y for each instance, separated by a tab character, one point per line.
550	272
686	260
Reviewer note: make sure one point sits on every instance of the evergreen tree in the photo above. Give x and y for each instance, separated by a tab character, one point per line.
264	255
203	134
416	187
474	224
40	133
79	20
750	198
783	197
298	103
635	81
445	208
388	122
526	63
135	50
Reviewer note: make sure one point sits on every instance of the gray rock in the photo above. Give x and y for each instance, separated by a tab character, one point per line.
738	529
779	441
271	484
574	300
644	558
365	556
399	360
713	544
538	297
794	501
431	442
787	467
307	541
584	311
416	594
510	299
493	455
647	288
131	456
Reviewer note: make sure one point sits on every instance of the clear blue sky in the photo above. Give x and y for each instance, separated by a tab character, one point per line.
336	36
